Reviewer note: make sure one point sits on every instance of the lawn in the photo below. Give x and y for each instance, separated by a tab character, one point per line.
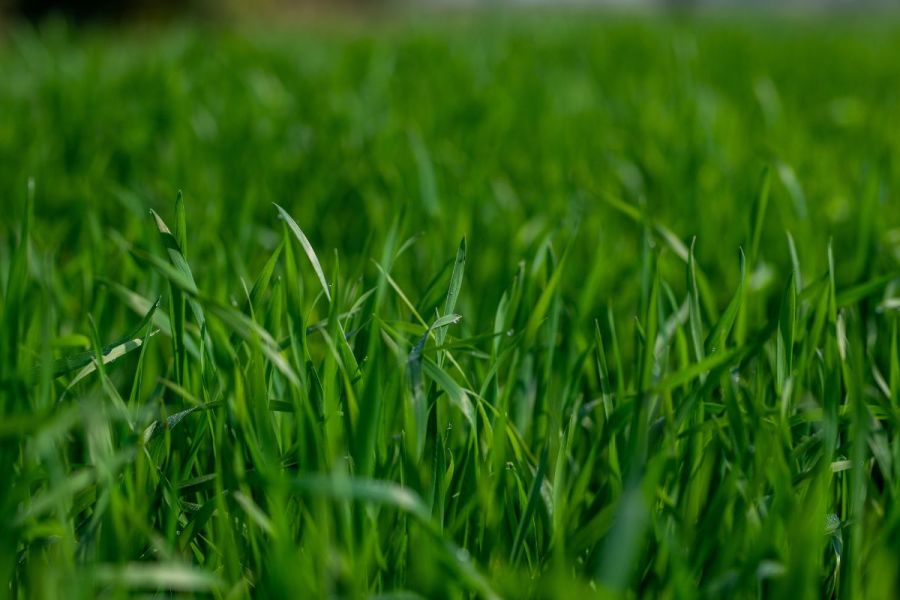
533	306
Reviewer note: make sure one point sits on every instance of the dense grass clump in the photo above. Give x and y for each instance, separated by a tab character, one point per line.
545	308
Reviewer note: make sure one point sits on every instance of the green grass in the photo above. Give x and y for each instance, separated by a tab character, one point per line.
544	307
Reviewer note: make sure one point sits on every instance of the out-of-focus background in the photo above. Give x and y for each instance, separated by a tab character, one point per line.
164	9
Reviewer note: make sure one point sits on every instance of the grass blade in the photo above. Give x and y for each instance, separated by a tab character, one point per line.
307	248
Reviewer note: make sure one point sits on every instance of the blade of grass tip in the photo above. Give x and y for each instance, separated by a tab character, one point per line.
759	215
71	363
307	248
185	281
177	309
694	315
456	279
264	277
795	262
718	337
756	227
260	285
140	305
406	245
545	299
134	396
787	320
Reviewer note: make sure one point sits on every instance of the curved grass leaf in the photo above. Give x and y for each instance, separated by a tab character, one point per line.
307	248
110	352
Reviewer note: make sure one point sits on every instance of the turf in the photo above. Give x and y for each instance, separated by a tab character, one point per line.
534	307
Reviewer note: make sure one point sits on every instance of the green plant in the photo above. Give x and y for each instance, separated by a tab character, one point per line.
611	311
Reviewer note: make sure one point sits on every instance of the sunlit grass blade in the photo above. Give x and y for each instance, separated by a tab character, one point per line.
169	577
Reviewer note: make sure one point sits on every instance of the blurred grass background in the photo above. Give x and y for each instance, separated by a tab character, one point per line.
501	129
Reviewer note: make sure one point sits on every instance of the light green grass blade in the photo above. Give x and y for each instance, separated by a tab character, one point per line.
110	352
171	577
307	248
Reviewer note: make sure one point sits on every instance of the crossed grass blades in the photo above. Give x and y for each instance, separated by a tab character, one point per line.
189	414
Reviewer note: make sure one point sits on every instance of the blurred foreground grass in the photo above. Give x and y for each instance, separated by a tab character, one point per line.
662	362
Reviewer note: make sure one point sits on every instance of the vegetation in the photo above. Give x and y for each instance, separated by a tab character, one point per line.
544	307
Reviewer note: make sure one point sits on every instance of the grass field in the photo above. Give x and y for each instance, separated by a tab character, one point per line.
547	307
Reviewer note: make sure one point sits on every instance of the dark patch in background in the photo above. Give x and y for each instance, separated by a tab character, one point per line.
127	10
101	10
